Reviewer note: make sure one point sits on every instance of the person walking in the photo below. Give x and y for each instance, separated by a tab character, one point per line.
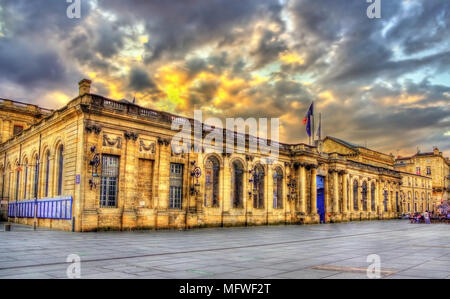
426	215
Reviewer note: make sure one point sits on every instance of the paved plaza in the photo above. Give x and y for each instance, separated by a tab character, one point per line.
311	251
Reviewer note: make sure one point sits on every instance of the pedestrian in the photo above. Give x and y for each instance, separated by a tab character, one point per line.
426	215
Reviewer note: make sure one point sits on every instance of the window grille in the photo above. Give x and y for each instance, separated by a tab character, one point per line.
364	195
212	173
176	186
258	185
396	202
109	181
47	173
60	169
237	186
278	189
25	181
355	195
36	177
372	197
386	194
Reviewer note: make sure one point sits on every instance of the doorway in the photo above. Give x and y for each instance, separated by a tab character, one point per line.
321	198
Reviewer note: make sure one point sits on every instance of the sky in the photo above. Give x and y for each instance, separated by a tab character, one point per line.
383	83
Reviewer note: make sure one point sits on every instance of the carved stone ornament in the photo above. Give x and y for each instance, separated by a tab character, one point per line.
131	136
93	129
164	141
151	147
114	142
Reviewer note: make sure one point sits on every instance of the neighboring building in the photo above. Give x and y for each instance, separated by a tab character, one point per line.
14	118
17	116
101	164
416	194
433	165
415	191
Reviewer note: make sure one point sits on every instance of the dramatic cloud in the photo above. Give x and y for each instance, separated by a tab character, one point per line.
381	82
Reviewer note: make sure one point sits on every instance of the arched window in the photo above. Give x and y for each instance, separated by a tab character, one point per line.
25	180
386	198
355	195
47	172
397	206
212	171
36	176
60	169
278	189
2	177
348	195
364	195
372	197
8	188
17	181
258	187
237	186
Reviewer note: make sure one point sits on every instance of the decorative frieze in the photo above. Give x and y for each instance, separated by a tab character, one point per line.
151	147
112	141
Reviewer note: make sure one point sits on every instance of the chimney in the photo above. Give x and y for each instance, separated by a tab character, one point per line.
436	150
85	86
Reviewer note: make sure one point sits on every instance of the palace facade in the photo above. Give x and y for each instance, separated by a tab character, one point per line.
100	164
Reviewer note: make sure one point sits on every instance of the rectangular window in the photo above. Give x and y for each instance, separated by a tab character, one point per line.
145	182
428	170
109	181
176	186
17	129
418	170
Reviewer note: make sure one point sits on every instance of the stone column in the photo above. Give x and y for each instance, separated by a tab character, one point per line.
369	197
344	193
131	175
379	197
360	202
302	187
164	177
351	207
313	190
269	188
226	189
335	192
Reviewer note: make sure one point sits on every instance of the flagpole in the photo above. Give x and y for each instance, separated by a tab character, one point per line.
313	124
320	126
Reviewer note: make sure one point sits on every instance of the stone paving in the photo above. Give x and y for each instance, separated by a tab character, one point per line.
332	251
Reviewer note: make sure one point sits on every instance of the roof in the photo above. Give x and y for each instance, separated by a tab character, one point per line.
346	143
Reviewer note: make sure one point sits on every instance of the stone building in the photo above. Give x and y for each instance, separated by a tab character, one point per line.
430	164
101	164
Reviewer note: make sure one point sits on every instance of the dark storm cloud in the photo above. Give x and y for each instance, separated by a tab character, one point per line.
427	25
139	80
24	17
366	65
268	48
361	52
26	65
176	27
110	41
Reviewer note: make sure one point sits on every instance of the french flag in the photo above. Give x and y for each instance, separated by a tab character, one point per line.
307	119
